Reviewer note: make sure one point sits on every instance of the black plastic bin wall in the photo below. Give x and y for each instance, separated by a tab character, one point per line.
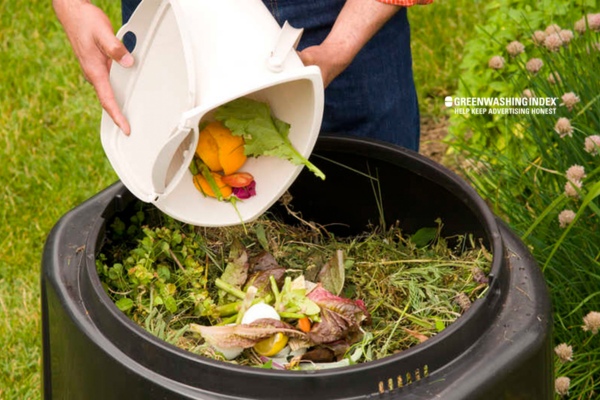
499	349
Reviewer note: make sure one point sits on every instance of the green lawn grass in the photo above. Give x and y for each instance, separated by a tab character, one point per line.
439	32
52	158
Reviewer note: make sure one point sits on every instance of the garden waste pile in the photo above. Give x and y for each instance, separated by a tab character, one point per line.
288	296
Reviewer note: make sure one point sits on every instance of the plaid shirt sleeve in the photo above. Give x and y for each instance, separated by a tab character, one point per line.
405	3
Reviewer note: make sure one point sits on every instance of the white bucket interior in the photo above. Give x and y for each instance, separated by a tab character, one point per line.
292	102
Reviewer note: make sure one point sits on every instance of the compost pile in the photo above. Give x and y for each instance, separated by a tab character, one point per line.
289	296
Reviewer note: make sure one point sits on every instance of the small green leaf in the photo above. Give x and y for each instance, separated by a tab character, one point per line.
124	303
424	236
170	288
118	226
439	325
262	237
164	246
171	304
309	307
177	238
268	364
115	272
164	273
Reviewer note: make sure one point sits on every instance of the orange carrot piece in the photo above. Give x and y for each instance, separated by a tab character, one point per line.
304	324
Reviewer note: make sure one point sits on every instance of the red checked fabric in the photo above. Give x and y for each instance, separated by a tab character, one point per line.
405	3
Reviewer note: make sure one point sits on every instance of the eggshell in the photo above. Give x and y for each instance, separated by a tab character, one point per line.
258	311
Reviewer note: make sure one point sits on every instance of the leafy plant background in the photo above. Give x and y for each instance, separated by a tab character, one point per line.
501	22
522	164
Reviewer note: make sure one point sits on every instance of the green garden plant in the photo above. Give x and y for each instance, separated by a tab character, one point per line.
540	171
503	21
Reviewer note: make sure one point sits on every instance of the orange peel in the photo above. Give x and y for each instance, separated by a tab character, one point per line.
219	149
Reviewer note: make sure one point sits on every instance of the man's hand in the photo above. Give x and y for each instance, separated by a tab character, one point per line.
358	21
325	57
93	40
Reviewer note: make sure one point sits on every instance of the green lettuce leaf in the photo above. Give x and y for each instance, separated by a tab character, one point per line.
264	134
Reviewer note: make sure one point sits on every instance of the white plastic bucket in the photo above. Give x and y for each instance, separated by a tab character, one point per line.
193	56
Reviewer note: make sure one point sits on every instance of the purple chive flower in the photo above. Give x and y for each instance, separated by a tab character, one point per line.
565	218
575	173
591	322
566	35
534	65
515	48
538	37
564	352
563	127
561	385
592	143
553	28
553	42
496	62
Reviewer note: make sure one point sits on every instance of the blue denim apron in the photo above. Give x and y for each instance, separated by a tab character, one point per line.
375	96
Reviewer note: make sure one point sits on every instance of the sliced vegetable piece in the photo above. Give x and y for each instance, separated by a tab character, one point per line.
245	192
304	324
220	149
204	186
272	345
238	179
208	150
231	148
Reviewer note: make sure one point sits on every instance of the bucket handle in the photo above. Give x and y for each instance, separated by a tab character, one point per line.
288	39
185	139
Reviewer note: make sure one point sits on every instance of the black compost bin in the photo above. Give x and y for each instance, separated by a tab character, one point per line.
499	349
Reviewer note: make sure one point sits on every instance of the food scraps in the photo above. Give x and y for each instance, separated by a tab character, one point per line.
243	128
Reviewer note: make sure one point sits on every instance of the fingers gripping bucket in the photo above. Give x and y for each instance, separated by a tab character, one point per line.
193	56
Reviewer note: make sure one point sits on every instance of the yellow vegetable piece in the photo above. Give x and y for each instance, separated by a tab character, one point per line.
203	186
208	150
271	345
220	149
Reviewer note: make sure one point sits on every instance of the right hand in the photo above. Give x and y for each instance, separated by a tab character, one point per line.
93	40
356	24
328	57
